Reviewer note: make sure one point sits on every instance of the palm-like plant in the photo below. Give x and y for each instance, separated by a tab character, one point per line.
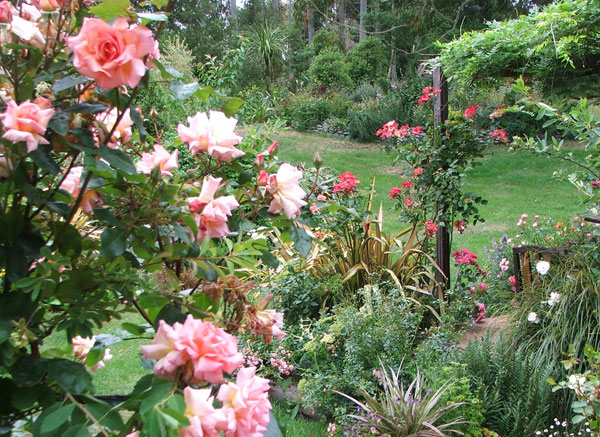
406	412
267	43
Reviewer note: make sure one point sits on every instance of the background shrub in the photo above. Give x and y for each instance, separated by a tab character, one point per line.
329	71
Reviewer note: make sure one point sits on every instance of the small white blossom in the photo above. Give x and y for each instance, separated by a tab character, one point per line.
554	298
542	267
533	318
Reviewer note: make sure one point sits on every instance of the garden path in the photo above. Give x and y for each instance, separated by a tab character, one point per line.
478	330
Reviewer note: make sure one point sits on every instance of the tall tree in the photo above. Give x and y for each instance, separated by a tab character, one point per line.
341	21
310	18
233	13
362	34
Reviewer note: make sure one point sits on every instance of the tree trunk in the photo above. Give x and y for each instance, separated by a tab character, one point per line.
290	11
233	13
277	9
362	30
392	75
377	27
341	9
311	23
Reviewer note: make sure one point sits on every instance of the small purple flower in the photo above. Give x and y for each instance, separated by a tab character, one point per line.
379	96
394	85
504	239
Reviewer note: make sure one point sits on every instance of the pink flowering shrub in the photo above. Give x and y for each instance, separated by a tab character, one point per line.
346	183
98	216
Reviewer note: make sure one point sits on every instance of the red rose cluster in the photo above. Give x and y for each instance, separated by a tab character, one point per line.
347	183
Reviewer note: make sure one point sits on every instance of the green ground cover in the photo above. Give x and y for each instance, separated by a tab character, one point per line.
513	183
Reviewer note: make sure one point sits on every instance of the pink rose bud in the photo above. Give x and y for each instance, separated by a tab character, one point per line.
263	178
272	147
259	159
5	12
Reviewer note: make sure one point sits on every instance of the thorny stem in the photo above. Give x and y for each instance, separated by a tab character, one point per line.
87	413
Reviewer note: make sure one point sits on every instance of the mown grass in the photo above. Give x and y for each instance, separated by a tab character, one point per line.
513	183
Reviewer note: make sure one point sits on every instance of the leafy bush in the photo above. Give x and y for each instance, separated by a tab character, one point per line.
363	92
328	71
368	61
511	385
302	296
364	121
305	112
343	350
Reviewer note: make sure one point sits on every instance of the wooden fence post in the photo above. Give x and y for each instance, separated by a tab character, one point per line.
442	244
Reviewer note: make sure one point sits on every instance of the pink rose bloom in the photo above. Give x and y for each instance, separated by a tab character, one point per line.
498	112
417	130
322	198
5	12
408	184
46	5
313	208
273	319
212	134
246	404
513	282
286	191
504	264
212	221
27	122
163	350
160	158
430	228
394	192
211	349
460	226
81	348
470	111
482	287
122	132
465	257
408	201
480	315
596	183
205	420
72	185
26	27
499	135
418	171
111	55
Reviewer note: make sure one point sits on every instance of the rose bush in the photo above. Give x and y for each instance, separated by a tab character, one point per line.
96	218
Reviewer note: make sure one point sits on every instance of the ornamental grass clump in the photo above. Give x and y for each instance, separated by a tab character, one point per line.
400	411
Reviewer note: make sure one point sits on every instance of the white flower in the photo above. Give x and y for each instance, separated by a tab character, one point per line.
554	298
542	267
533	318
576	382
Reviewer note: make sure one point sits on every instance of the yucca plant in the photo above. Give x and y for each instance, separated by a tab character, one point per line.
400	411
361	248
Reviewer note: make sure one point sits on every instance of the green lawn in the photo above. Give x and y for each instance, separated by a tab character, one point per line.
513	183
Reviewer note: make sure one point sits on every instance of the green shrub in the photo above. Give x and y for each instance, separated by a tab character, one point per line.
329	71
511	385
304	111
301	296
326	39
368	61
365	91
344	350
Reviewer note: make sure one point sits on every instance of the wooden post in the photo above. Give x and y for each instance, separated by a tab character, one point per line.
442	244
